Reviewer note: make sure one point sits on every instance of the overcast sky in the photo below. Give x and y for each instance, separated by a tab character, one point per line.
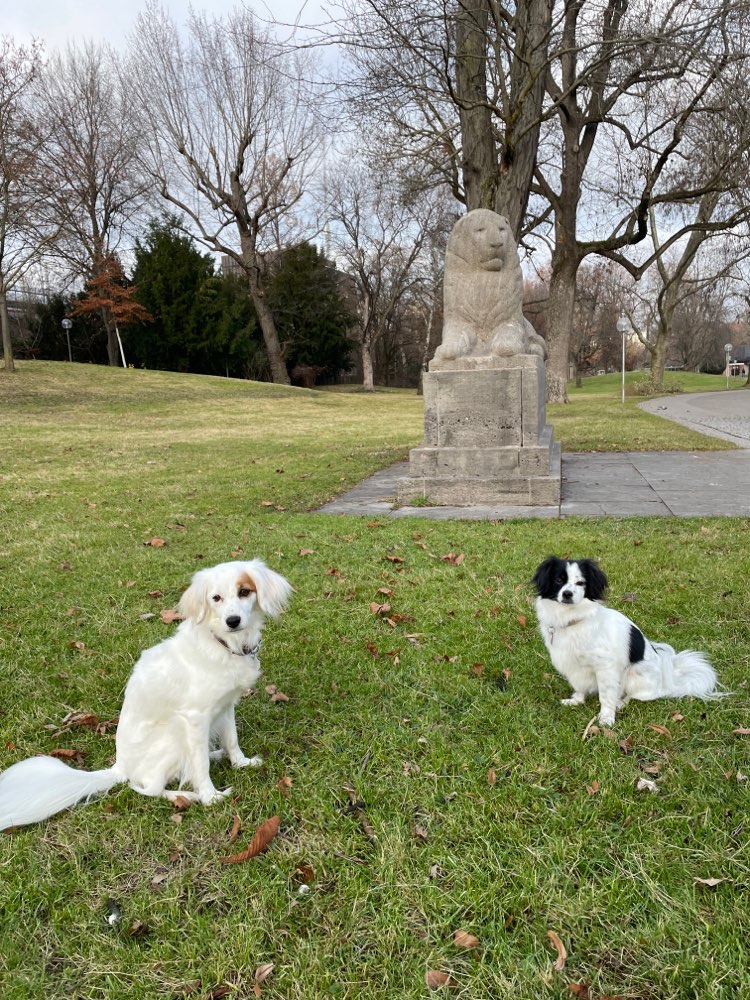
57	22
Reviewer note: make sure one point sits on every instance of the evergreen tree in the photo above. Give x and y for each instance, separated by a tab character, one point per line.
310	315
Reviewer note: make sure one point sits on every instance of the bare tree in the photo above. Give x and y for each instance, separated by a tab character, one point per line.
25	227
456	86
233	136
378	233
91	179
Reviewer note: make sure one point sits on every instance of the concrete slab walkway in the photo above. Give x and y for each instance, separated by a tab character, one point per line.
667	483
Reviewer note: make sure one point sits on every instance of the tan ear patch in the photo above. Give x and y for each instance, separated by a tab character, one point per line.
246	582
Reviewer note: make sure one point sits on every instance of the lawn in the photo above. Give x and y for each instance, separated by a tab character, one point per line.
480	806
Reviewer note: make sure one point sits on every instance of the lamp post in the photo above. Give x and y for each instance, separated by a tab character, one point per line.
728	353
66	325
623	325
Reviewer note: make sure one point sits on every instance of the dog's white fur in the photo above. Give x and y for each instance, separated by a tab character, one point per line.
599	650
180	697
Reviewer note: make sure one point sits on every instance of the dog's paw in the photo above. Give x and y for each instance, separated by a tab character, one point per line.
574	700
243	761
213	795
606	718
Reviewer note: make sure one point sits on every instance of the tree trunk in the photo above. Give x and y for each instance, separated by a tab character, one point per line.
498	157
560	306
279	374
368	382
113	352
10	365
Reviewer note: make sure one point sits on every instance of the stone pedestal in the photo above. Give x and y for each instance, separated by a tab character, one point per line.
486	437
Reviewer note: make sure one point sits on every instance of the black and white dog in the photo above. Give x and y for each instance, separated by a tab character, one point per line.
597	649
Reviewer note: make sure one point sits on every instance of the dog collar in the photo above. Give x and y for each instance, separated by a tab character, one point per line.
551	629
246	650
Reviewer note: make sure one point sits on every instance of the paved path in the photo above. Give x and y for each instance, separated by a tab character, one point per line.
679	483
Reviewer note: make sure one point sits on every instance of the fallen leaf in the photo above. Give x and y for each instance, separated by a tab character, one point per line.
266	503
155	543
678	717
644	785
593	788
378	609
394	559
626	745
372	649
385	590
181	802
741	732
270	689
710	882
155	594
560	949
279	696
477	668
137	929
306	552
580	990
435	979
65	754
304	872
629	598
492	776
169	615
236	827
453	559
284	785
462	939
259	842
662	730
521	619
263	972
76	644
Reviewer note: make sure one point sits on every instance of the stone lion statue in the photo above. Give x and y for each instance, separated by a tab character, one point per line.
483	293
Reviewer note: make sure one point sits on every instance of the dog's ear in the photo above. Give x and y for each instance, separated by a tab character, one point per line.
545	574
272	589
595	577
193	602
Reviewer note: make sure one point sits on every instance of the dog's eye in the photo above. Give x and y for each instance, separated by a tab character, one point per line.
580	583
244	592
216	598
560	580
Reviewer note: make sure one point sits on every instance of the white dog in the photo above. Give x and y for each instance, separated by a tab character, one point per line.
600	650
180	696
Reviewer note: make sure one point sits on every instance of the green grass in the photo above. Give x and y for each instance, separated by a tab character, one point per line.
415	713
596	419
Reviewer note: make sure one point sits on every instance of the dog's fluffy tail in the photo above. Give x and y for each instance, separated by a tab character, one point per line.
687	674
39	787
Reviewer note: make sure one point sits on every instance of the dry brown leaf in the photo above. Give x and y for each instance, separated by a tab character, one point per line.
378	609
662	730
741	732
710	882
678	716
521	619
181	803
593	788
462	939
580	990
453	558
279	696
284	785
559	947
436	979
169	615
236	827
306	552
492	776
155	543
76	644
263	972
395	559
260	841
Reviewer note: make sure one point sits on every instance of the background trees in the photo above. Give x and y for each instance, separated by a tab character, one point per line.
26	226
232	137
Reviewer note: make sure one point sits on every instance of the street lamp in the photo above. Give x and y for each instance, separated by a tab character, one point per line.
728	352
623	325
66	325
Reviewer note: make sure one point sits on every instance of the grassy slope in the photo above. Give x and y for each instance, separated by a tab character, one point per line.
93	463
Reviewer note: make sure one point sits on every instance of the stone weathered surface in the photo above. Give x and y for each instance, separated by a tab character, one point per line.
486	440
486	436
483	295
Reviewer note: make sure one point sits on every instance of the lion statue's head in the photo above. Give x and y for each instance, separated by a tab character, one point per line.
483	240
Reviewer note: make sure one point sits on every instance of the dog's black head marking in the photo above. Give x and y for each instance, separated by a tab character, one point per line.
552	575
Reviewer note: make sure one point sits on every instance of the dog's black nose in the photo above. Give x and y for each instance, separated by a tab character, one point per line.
567	595
233	621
